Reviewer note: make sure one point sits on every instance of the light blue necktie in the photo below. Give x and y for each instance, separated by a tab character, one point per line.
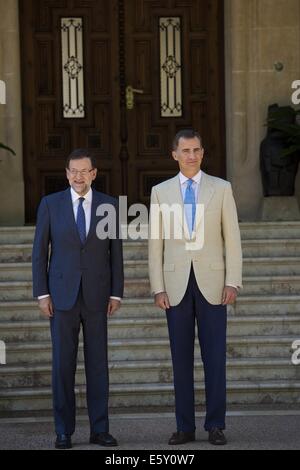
190	205
81	225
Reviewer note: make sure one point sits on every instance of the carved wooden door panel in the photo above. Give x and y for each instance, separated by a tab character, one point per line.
78	59
51	132
172	48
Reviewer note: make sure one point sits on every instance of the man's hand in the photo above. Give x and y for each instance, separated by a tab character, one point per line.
162	300
229	295
46	307
113	306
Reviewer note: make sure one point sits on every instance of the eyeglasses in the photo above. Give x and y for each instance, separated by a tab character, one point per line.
80	172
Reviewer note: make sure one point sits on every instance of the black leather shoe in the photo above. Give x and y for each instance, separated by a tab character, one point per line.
63	441
181	438
103	439
216	437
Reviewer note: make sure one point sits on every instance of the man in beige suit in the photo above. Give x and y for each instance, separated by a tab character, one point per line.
194	276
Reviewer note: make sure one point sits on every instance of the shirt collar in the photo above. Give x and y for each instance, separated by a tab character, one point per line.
183	179
88	197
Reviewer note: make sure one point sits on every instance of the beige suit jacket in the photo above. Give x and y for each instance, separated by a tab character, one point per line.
217	259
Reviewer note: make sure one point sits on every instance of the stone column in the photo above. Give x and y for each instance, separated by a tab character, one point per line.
11	167
258	34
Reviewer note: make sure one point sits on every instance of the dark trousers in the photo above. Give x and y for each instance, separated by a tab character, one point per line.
211	322
65	327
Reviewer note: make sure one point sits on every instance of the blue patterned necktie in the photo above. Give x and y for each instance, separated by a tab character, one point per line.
81	221
190	205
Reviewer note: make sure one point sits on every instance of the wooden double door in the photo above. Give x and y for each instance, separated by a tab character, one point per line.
124	45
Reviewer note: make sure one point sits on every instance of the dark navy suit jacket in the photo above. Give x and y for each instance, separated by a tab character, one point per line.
97	265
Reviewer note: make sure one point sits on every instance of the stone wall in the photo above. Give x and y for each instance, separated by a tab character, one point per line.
258	34
11	168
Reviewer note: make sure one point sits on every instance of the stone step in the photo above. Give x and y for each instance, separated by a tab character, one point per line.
120	328
273	230
133	269
138	269
18	290
262	285
155	372
136	349
249	230
284	305
273	305
121	395
259	248
262	326
271	248
22	290
134	288
15	253
252	266
27	310
138	250
16	235
15	272
272	266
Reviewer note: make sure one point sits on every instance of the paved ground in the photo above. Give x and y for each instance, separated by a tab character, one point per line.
278	430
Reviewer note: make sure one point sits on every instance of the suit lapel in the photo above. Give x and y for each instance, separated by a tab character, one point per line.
174	196
69	214
174	191
96	200
206	191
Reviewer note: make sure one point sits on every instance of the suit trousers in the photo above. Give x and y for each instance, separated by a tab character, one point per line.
211	323
65	327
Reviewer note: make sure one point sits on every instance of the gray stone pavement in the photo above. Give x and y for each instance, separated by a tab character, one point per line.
278	430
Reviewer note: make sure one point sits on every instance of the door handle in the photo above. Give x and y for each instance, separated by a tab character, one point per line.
130	91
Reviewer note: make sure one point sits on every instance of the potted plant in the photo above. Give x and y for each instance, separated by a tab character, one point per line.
280	151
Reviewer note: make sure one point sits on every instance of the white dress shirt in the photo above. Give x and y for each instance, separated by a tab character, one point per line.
87	207
184	183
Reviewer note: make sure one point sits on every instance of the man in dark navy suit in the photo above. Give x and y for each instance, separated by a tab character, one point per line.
81	284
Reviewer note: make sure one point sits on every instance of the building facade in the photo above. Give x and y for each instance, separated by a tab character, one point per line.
213	65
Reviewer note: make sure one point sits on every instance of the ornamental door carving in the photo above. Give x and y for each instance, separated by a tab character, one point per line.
121	78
